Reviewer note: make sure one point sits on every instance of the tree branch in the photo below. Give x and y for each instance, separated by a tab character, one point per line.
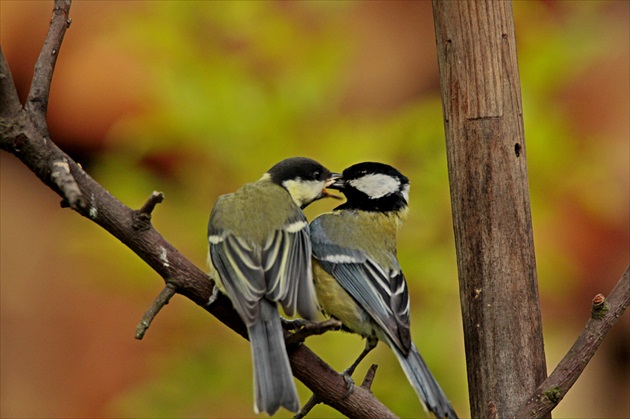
24	133
9	100
492	222
37	100
316	399
604	314
307	329
160	301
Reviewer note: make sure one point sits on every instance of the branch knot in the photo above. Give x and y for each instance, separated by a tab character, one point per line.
600	307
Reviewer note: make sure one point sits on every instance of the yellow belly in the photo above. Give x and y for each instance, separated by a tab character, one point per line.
336	302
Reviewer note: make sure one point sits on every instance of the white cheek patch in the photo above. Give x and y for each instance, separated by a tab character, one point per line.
376	185
303	191
405	193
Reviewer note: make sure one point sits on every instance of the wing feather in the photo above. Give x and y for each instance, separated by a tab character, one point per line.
381	292
277	268
287	262
242	278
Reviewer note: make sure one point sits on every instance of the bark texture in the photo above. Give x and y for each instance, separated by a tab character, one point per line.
490	202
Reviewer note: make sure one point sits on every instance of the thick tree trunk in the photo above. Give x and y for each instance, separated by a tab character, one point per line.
490	202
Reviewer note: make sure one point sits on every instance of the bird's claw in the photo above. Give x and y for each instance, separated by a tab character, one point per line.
214	296
295	324
349	383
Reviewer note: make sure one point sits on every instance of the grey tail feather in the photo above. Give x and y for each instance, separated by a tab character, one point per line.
425	385
273	380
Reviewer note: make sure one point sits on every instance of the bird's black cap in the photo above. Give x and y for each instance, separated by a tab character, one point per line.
298	167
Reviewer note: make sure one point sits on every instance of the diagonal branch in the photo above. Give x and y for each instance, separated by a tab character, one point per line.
604	314
37	100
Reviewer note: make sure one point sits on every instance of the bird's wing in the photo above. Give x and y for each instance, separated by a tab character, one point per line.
286	258
237	262
240	271
380	292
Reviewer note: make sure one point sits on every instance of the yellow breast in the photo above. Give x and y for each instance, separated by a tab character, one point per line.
336	302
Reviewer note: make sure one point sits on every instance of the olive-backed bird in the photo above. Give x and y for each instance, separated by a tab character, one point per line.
358	278
260	256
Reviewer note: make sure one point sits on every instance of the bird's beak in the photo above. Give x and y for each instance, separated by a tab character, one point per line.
330	182
334	178
336	182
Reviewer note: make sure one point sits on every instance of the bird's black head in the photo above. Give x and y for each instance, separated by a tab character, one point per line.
295	168
304	179
373	186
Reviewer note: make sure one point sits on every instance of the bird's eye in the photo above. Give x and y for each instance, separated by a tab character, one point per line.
316	174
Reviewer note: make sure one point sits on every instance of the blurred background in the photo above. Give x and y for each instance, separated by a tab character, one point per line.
196	98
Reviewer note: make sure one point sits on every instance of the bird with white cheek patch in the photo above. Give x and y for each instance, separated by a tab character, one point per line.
357	276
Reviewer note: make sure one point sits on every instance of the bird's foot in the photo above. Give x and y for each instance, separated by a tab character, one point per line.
347	376
214	295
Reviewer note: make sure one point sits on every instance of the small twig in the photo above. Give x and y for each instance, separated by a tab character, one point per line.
148	207
142	217
40	87
307	329
160	301
310	404
369	377
604	314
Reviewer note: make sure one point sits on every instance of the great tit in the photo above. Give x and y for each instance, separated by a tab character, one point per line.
357	276
260	255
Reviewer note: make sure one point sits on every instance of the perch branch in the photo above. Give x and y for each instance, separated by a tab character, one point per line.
24	133
160	301
316	399
604	314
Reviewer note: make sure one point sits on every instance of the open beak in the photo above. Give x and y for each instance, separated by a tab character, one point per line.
336	182
330	183
334	178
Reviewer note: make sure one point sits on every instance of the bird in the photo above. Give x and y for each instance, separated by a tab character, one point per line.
358	278
260	257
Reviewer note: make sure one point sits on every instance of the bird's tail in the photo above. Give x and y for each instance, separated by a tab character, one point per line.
423	382
273	380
